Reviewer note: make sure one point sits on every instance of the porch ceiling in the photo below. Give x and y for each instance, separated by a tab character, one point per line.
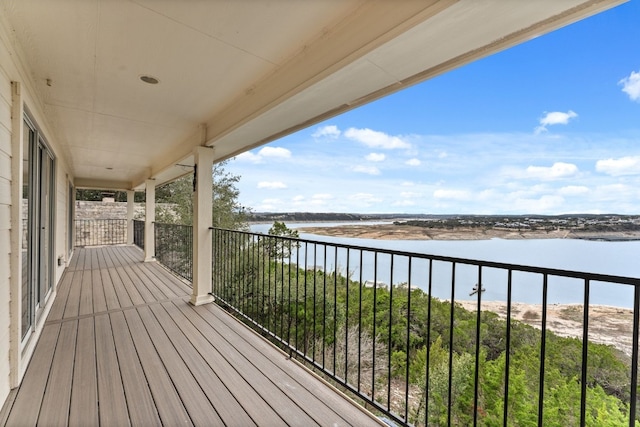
237	74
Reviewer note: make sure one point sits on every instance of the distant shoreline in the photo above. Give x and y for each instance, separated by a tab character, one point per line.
408	232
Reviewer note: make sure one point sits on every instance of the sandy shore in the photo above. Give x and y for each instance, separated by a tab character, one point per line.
607	325
406	232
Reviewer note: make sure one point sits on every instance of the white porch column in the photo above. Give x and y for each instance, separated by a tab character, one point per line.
130	200
202	220
150	217
17	366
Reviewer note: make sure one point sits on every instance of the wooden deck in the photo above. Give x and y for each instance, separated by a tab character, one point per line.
122	346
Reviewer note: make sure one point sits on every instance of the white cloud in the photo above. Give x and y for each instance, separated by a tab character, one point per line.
557	171
320	199
271	201
573	190
266	152
631	85
328	132
452	194
298	198
404	202
370	170
629	165
275	152
413	162
322	196
409	194
555	118
541	205
375	139
270	204
365	197
375	157
271	185
248	156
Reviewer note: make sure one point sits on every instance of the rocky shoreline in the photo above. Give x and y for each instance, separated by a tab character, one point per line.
408	232
607	325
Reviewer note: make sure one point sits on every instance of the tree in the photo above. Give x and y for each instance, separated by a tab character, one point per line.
227	210
281	248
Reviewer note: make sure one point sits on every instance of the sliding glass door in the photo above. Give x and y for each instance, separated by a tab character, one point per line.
37	234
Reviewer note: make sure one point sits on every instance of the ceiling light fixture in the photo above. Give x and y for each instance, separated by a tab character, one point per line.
149	79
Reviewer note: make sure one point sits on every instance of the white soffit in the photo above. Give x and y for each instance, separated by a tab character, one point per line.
237	74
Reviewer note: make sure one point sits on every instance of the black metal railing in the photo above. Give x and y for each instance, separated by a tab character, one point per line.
95	232
138	233
381	324
174	248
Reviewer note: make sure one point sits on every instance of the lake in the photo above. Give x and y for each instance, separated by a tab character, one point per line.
611	258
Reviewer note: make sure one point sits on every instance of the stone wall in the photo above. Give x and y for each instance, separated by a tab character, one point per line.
107	210
103	223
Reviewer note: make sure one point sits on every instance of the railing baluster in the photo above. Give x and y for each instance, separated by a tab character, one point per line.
315	262
335	305
346	320
408	342
634	358
324	306
389	344
451	323
507	356
375	311
360	323
543	348
585	352
430	289
477	364
296	346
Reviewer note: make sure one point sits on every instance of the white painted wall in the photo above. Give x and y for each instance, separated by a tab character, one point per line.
5	226
14	354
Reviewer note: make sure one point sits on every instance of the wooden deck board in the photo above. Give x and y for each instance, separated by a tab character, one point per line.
57	309
86	295
55	405
134	294
113	403
84	397
193	397
281	369
221	398
26	406
110	293
122	346
134	381
168	402
277	398
121	291
308	390
72	305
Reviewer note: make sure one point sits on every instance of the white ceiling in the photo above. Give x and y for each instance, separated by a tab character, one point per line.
237	74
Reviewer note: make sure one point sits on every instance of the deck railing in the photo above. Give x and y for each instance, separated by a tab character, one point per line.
174	248
138	233
95	232
381	324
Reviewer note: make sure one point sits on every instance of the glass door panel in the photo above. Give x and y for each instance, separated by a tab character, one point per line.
28	136
38	204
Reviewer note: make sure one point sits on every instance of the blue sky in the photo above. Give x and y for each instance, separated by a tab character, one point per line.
551	126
